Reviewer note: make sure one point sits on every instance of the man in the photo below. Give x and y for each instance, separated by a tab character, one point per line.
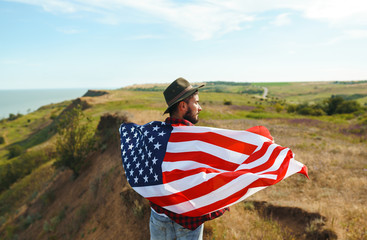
184	108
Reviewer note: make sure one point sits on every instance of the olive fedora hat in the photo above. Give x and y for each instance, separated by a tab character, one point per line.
177	91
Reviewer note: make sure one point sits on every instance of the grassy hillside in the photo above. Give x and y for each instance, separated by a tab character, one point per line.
48	203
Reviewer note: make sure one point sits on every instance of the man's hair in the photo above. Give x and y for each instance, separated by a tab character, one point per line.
173	109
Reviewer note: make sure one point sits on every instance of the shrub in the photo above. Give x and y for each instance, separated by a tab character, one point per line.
13	116
278	107
348	107
291	108
338	105
75	140
2	140
14	151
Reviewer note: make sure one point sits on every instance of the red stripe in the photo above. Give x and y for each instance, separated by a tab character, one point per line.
215	139
201	157
262	182
258	154
212	184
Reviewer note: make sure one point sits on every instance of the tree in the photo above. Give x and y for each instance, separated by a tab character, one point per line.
75	140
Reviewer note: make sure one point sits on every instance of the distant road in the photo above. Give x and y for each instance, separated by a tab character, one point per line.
265	92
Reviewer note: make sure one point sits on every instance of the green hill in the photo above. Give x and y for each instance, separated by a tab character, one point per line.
38	201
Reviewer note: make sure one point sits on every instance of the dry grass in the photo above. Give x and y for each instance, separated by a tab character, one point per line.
90	207
337	188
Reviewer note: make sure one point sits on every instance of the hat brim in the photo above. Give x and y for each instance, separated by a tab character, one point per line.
183	97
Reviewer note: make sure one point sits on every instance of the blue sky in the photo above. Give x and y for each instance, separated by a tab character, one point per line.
106	44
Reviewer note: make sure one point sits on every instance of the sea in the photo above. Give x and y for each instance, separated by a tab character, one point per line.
29	100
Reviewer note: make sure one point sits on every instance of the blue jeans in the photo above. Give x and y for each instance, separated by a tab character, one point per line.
163	228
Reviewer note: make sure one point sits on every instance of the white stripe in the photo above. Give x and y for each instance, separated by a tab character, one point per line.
294	167
185	165
175	186
243	136
193	146
263	159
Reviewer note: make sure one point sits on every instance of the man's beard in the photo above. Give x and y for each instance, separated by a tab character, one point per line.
190	117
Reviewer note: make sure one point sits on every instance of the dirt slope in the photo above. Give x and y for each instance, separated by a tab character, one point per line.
98	204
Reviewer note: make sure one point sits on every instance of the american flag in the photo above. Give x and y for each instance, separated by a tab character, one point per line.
194	170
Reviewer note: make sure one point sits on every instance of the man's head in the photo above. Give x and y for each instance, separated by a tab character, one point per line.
183	100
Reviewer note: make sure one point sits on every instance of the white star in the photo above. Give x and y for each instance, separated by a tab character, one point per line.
155	128
151	170
123	153
156	177
128	139
143	157
134	159
140	150
154	160
136	180
146	133
163	123
122	146
123	128
146	163
161	133
124	134
128	166
157	145
132	129
131	172
145	178
137	165
132	153
141	171
151	139
149	154
135	135
131	146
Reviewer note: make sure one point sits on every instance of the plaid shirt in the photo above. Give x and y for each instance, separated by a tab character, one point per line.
187	222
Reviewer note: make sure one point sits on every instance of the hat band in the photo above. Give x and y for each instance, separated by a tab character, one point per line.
180	95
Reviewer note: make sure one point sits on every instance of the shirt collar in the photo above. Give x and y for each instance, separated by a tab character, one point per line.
176	121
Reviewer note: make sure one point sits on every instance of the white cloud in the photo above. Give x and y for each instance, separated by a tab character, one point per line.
282	19
337	11
207	18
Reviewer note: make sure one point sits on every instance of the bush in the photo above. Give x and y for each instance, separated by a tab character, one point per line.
75	140
2	140
338	105
348	107
278	107
14	151
291	108
13	116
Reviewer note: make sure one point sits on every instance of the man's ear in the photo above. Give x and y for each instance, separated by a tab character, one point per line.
182	106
